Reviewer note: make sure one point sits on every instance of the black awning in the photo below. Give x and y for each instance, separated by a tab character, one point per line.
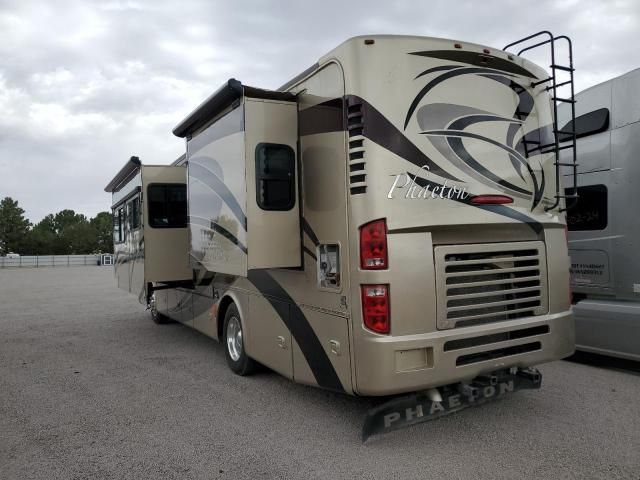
125	174
221	99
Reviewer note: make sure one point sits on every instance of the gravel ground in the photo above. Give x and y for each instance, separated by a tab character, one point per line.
91	388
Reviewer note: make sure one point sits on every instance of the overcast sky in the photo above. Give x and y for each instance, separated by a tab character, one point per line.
86	84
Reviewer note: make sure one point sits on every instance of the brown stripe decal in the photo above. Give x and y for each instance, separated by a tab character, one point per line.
476	58
322	118
310	253
377	128
309	231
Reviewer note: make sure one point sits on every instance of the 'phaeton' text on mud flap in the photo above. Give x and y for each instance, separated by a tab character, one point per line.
419	407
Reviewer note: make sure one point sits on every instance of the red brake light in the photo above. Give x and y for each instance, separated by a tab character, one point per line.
375	308
491	200
373	245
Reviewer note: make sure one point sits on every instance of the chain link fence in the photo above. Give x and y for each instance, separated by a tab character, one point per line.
38	261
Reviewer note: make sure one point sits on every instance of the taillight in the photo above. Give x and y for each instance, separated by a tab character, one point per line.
375	308
491	200
373	245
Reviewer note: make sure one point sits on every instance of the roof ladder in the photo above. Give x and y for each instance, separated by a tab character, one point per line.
568	137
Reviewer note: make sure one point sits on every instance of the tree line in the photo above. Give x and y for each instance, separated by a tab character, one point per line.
63	233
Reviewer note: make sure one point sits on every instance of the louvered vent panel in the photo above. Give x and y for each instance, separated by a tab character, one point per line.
490	283
357	161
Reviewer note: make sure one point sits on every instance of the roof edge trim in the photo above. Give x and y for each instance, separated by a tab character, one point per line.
221	99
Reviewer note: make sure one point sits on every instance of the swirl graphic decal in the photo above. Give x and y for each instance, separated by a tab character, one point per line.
446	125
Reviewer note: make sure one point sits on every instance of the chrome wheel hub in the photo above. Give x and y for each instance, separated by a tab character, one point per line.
152	305
234	338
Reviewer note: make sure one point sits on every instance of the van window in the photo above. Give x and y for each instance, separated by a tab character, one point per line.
167	205
587	124
590	213
275	176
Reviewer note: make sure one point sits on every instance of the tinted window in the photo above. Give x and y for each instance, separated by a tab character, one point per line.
590	212
587	124
275	177
167	205
118	225
133	212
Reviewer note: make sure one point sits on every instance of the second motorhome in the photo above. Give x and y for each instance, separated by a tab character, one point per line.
380	224
604	227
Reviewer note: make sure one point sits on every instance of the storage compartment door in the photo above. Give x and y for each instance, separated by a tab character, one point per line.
330	368
273	213
266	336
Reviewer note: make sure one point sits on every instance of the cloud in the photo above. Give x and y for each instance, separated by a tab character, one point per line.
86	84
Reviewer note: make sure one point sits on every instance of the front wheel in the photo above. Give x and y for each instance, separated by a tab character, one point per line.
237	358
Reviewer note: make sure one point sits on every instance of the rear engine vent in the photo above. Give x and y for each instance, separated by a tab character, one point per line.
490	282
357	163
498	353
462	343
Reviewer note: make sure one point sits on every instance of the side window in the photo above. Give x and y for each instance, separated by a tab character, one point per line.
118	225
590	213
127	210
275	176
167	205
587	124
133	210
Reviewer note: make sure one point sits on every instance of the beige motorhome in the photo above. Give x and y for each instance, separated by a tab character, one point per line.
149	228
388	221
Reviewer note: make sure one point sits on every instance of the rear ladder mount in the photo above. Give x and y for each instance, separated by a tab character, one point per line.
568	136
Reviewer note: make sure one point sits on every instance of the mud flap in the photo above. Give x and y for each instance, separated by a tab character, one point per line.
419	407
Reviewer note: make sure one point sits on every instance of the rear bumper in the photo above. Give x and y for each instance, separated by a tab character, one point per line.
391	365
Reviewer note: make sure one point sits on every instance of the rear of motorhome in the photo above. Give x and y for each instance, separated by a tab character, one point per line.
604	227
380	224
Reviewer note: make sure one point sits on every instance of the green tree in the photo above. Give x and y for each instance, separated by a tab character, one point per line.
102	224
66	218
13	227
42	237
73	233
70	233
79	238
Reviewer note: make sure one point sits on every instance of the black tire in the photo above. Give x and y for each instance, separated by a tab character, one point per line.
156	316
237	358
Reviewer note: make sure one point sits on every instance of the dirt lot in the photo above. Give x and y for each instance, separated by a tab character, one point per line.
91	388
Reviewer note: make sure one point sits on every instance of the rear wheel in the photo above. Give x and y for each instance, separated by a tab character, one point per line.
156	316
232	337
